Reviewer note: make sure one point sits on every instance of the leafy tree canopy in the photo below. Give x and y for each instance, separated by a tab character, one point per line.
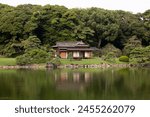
29	26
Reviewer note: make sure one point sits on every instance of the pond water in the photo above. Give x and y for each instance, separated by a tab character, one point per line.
75	84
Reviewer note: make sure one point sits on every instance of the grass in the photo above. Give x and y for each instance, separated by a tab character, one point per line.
7	61
116	61
12	61
95	60
82	61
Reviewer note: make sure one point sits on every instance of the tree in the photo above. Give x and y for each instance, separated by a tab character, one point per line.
131	44
111	48
145	18
12	24
34	26
102	23
31	43
140	55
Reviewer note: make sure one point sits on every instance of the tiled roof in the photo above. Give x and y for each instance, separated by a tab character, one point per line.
80	49
71	44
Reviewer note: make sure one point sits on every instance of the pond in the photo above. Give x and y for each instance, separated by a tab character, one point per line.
91	84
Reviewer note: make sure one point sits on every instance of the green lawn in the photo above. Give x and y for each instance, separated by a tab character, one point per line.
95	60
82	61
7	61
12	61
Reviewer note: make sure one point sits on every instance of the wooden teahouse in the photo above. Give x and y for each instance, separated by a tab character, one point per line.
75	49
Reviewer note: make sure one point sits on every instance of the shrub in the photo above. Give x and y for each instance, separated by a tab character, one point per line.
110	48
56	61
22	60
124	59
70	56
132	43
110	57
34	56
140	55
96	52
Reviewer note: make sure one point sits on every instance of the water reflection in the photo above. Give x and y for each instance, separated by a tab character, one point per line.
73	76
72	80
75	84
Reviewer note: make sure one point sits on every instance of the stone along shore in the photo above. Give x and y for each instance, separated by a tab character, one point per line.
104	65
93	66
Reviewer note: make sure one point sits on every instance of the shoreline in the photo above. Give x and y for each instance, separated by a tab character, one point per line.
35	66
94	66
43	66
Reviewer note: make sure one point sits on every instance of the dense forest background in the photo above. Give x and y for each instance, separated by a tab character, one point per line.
33	26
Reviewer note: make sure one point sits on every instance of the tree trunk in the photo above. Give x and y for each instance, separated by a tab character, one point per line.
99	43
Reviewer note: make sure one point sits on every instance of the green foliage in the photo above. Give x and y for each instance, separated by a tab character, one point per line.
109	48
124	58
110	57
27	27
146	20
131	44
97	53
70	56
31	43
140	55
102	22
8	50
56	61
34	56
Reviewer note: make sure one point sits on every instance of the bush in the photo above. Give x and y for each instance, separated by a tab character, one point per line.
140	55
110	57
34	56
70	56
132	43
56	61
110	48
22	60
124	59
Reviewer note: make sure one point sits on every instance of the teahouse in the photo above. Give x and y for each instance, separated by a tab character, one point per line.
74	49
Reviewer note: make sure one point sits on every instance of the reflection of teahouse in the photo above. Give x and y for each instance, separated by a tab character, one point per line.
76	77
87	76
69	81
64	76
75	49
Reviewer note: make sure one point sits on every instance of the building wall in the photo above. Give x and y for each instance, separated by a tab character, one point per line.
75	54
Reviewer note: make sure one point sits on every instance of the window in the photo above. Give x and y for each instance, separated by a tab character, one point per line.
75	54
87	54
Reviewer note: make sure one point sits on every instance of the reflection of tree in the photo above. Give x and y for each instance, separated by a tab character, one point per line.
125	84
104	84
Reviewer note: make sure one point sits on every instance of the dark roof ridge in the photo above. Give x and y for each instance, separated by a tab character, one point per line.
71	44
